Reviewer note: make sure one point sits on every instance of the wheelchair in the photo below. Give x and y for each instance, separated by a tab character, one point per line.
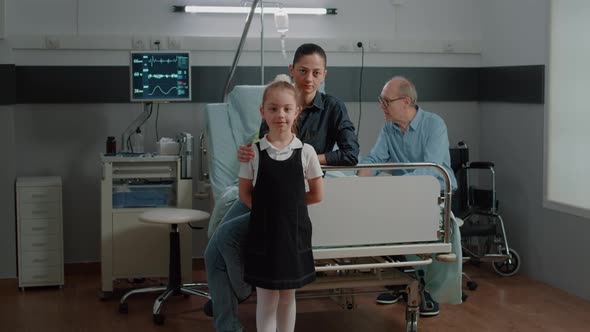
483	236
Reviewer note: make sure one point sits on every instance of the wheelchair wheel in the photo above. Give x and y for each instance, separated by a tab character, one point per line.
508	267
158	319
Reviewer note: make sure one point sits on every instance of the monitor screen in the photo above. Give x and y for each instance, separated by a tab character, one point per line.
160	76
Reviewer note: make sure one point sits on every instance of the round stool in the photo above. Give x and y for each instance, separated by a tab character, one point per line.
172	217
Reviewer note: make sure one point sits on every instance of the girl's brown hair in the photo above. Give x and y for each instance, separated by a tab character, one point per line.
283	85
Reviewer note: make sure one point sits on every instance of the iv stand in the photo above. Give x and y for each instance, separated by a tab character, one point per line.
140	120
262	43
239	50
241	45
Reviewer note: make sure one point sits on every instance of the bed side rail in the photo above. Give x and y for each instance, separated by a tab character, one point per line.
446	194
364	266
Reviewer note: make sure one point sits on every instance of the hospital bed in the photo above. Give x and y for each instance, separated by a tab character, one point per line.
362	224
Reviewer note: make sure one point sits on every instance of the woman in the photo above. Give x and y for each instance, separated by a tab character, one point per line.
324	121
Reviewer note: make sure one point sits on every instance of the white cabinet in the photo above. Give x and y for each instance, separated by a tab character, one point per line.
39	231
131	248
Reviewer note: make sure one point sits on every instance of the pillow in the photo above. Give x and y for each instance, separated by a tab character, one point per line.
223	163
244	112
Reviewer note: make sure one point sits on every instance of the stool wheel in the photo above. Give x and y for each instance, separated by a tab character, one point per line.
123	308
472	285
158	319
104	296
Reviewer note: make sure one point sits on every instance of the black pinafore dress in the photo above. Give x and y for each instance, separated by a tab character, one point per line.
278	252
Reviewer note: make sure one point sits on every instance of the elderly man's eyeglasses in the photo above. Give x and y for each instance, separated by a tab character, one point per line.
385	102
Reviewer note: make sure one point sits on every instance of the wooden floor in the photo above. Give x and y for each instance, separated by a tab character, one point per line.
499	304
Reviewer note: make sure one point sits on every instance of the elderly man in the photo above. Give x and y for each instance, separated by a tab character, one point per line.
409	135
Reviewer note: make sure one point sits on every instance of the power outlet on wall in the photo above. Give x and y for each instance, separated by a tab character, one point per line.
174	43
373	46
448	47
51	42
139	43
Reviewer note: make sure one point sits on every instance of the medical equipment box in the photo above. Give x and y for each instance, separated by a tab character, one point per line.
142	195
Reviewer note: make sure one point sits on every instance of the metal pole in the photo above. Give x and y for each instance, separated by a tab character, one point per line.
262	43
239	50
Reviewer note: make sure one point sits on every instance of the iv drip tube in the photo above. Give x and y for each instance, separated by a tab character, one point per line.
282	24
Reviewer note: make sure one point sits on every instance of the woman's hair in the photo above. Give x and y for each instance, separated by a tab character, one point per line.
309	49
282	85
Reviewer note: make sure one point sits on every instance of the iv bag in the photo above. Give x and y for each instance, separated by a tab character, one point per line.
281	21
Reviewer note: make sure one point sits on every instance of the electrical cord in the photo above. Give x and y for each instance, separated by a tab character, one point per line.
358	128
157	42
128	143
157	117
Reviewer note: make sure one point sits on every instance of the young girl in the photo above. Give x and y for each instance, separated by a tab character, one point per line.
278	256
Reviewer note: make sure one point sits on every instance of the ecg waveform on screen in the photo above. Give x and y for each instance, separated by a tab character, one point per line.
162	76
159	76
153	60
157	87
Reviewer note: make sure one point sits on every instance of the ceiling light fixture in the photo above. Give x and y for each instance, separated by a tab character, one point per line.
246	10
